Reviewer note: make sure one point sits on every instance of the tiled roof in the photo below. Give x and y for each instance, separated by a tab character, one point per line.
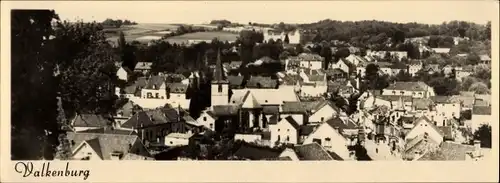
447	132
132	156
407	119
292	107
395	98
177	87
155	81
441	99
235	80
143	65
429	122
306	130
481	110
313	106
273	119
312	152
125	107
91	120
254	152
316	77
419	143
105	143
225	110
422	103
338	123
270	109
448	151
310	57
109	131
262	82
151	117
409	86
131	89
333	86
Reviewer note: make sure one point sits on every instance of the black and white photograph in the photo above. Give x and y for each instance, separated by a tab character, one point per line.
217	81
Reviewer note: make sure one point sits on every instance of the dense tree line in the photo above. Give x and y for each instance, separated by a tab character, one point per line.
372	31
117	23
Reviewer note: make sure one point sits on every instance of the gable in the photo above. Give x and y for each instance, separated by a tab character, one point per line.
423	125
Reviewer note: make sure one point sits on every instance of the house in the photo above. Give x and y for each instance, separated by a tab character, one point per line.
392	102
309	152
207	119
228	117
94	146
355	59
418	146
327	136
480	115
414	89
485	59
337	74
315	86
296	110
342	64
109	130
414	67
463	72
344	125
155	88
124	112
424	126
441	50
176	95
466	102
344	88
123	73
482	100
177	139
445	109
311	61
143	67
90	121
431	68
320	110
133	90
293	36
284	131
154	125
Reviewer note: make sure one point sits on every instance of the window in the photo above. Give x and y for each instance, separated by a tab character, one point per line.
279	137
171	142
204	118
287	138
89	154
327	142
211	126
287	130
265	101
278	129
220	88
322	118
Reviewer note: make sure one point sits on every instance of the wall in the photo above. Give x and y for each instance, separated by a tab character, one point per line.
84	151
421	128
313	90
314	65
338	144
283	130
220	98
173	141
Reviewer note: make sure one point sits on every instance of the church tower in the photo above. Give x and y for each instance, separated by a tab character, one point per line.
220	85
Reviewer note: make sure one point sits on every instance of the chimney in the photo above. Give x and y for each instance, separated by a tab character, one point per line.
477	149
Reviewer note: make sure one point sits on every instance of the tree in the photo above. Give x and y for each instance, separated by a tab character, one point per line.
287	39
479	88
34	126
444	86
87	70
483	133
338	100
342	53
326	53
472	59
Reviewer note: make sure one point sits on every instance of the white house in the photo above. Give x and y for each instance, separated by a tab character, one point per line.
424	126
176	95
327	136
445	109
143	67
207	119
123	73
463	72
177	139
155	88
311	61
293	37
414	67
342	65
441	50
414	89
285	131
320	111
356	60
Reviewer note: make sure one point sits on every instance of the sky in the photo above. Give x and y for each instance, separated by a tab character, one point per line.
197	12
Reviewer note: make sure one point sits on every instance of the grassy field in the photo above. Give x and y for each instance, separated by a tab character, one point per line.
222	36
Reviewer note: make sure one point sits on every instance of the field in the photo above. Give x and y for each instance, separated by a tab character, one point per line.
133	32
222	36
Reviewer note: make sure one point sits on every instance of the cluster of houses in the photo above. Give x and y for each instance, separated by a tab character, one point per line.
405	121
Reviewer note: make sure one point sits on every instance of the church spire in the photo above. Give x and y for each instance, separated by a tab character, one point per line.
219	72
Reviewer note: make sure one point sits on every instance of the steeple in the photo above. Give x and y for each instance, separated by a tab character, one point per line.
219	72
